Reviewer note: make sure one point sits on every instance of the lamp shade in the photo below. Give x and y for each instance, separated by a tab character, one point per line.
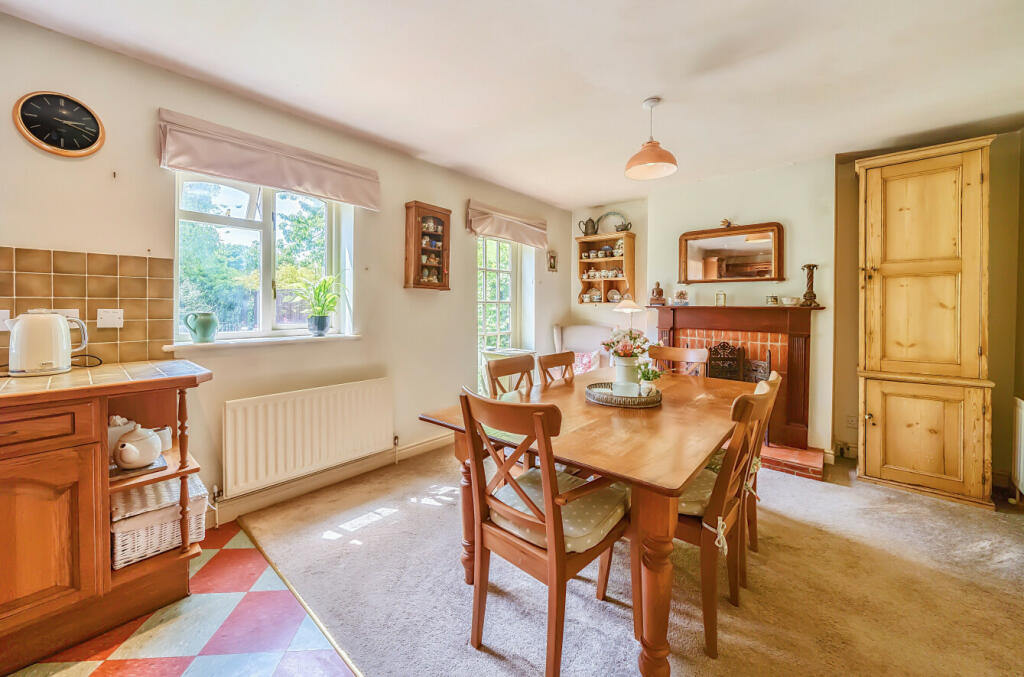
628	306
652	162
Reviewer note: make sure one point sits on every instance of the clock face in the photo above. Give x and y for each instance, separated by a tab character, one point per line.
58	124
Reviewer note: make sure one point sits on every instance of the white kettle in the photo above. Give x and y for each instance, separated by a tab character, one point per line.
41	343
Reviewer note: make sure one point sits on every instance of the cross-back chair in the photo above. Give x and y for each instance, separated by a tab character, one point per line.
548	523
690	361
562	365
774	382
521	365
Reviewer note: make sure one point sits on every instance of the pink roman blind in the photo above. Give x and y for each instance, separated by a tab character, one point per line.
195	145
483	219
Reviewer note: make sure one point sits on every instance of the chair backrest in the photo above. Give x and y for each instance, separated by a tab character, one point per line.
774	382
692	361
521	365
561	363
537	424
747	412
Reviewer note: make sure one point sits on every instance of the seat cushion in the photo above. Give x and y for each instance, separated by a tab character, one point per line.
714	464
695	498
585	521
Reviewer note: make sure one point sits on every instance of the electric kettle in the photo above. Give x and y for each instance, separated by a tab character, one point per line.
41	343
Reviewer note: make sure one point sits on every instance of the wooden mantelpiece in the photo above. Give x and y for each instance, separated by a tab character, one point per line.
788	426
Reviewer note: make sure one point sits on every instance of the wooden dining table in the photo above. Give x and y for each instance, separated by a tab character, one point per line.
658	451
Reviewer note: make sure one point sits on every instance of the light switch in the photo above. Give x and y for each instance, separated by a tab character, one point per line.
66	312
109	318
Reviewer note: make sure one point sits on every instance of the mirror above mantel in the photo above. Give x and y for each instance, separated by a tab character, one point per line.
732	253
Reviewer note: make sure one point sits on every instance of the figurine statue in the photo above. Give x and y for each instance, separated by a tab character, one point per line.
810	298
657	295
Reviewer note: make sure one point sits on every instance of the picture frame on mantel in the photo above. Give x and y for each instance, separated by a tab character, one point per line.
733	253
427	246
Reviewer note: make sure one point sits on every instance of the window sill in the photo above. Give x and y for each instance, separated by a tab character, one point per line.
255	342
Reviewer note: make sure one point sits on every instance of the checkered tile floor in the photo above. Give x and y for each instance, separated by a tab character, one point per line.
240	619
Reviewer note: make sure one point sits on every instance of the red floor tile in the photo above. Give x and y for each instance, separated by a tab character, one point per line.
144	667
218	538
267	620
312	664
98	648
232	570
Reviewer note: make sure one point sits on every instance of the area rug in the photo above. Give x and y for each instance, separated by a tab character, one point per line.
851	579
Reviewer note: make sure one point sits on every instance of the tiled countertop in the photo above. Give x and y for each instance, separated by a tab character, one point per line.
106	377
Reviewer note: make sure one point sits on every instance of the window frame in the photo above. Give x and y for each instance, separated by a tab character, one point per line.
516	257
338	223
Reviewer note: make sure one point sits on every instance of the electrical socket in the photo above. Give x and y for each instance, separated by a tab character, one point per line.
4	316
851	421
109	318
66	312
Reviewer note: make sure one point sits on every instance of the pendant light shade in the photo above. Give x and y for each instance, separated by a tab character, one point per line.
653	161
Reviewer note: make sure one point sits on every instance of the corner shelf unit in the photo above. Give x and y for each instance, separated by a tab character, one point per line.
625	283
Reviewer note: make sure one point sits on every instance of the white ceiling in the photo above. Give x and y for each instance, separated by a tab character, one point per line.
544	96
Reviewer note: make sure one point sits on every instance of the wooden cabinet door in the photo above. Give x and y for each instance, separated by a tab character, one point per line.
922	265
928	435
49	532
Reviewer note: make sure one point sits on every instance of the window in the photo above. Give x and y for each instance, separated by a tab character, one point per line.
497	295
245	250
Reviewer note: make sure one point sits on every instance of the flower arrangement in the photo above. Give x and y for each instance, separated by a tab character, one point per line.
649	373
627	343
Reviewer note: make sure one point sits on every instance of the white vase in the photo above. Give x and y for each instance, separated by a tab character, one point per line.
626	370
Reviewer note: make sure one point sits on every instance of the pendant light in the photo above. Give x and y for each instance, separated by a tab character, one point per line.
653	161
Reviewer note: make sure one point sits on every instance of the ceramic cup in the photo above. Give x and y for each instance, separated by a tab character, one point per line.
165	436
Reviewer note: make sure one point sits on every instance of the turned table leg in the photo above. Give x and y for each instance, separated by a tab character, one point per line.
655	517
466	496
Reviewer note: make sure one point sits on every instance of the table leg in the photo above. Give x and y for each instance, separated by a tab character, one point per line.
655	516
466	496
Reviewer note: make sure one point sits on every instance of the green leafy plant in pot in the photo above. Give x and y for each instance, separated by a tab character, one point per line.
322	300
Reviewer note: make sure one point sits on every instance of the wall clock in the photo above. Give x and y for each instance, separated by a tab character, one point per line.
58	124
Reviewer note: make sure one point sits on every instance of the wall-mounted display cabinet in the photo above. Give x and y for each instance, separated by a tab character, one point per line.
427	248
606	264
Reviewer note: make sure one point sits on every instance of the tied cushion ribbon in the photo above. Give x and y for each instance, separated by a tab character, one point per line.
755	465
719	532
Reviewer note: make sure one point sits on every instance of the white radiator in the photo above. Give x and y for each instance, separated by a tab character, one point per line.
276	438
1018	444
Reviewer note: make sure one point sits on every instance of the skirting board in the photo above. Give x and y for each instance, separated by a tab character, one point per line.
230	509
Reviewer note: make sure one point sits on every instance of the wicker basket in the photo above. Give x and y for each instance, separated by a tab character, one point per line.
145	520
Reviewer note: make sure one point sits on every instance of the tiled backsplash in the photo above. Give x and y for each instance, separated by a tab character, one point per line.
756	345
143	287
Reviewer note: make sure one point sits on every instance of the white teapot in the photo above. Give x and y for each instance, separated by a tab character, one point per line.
138	448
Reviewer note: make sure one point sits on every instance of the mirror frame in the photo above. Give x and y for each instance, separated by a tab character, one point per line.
773	227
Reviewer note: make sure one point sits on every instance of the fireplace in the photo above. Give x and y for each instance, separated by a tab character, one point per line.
764	337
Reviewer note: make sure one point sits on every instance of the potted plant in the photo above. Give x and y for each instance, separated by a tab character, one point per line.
626	347
322	300
648	375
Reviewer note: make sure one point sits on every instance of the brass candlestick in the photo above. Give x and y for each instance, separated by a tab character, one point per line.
810	298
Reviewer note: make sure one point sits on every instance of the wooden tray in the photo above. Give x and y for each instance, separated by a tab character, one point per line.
601	393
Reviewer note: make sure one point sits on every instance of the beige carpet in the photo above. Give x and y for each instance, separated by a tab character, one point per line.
851	579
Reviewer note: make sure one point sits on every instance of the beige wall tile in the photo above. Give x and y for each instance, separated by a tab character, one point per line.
105	335
156	351
161	309
107	352
134	309
94	304
6	258
23	305
7	303
102	264
161	267
33	260
33	284
161	330
134	351
161	289
133	266
69	285
131	287
72	263
102	286
6	284
134	330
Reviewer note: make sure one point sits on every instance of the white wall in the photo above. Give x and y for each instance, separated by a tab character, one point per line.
801	198
425	340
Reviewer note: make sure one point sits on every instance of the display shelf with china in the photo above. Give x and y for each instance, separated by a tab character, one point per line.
427	250
606	267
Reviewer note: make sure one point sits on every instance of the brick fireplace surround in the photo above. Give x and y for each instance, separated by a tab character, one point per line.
782	331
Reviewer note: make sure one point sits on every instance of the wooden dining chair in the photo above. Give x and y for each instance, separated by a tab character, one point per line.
774	383
691	361
521	365
556	361
711	511
548	523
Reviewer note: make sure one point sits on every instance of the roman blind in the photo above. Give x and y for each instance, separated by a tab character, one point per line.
195	145
483	219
